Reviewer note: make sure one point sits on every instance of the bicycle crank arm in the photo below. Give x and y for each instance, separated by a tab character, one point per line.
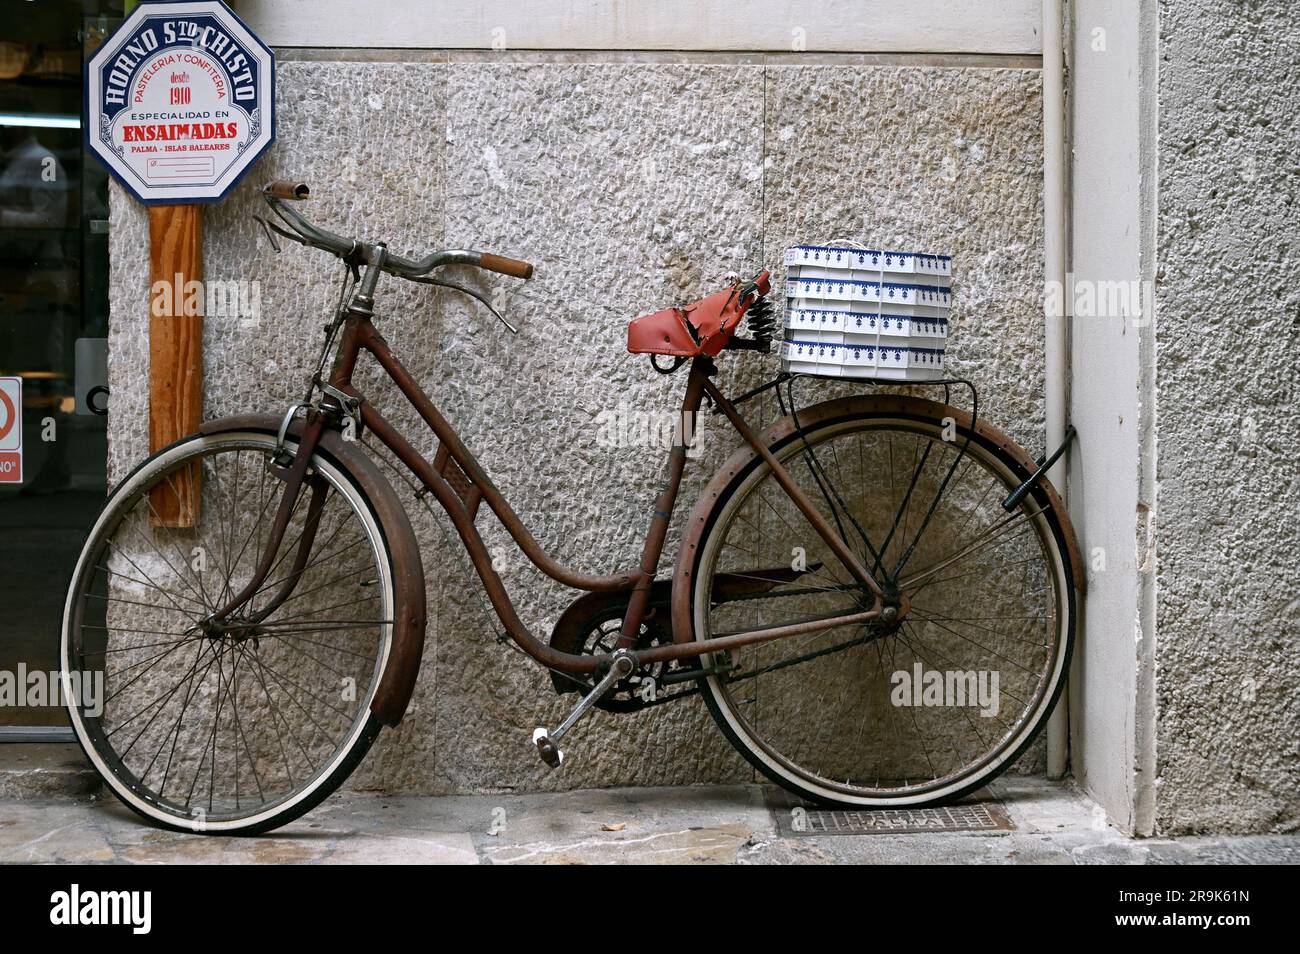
547	744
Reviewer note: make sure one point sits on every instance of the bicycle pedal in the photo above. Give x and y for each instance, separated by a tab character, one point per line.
547	749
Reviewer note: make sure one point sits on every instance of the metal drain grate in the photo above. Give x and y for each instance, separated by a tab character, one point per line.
800	821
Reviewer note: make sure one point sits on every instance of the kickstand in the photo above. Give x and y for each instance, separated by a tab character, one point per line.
622	666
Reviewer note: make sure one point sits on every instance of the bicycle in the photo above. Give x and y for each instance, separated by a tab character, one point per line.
252	596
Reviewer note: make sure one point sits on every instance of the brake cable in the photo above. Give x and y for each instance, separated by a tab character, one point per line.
425	280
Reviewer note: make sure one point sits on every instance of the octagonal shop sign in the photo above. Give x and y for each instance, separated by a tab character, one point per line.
180	101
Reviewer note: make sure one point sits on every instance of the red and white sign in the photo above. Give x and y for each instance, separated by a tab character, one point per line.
181	101
11	430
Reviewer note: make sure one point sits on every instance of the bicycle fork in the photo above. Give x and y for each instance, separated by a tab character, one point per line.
295	477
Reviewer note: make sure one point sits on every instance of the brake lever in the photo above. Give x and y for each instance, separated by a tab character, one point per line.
271	227
266	227
472	294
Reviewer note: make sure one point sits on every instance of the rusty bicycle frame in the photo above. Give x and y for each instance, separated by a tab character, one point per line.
460	485
360	334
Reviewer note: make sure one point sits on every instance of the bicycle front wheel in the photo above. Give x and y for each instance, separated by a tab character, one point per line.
913	711
242	727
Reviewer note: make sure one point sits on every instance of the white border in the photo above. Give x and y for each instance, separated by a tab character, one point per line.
828	26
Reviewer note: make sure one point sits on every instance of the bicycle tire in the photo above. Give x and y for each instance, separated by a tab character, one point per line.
364	726
746	470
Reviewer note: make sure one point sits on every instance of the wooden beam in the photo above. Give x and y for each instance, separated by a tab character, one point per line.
175	350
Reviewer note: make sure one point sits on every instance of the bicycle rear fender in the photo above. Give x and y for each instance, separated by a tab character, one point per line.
397	681
745	457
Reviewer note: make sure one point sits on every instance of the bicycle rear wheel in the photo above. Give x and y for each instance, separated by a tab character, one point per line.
239	729
913	712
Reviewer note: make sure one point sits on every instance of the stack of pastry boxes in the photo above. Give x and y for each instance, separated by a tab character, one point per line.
862	313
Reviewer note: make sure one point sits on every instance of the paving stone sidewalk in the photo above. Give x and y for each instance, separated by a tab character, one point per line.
1054	824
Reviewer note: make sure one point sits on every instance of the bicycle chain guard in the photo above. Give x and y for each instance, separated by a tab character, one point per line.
585	629
591	626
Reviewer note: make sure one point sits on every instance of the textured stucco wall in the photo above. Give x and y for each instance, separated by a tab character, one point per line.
631	185
1229	420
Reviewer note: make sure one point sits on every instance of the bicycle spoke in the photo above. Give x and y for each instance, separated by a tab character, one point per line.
984	539
920	613
171	597
152	585
174	732
274	708
830	713
227	719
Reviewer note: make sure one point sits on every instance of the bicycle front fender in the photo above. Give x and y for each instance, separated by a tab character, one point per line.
397	681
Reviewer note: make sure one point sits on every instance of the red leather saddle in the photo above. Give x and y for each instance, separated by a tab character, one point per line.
701	328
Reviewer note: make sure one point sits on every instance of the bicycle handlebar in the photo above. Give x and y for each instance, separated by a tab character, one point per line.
279	191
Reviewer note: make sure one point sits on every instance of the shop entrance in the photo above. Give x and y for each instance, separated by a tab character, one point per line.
53	337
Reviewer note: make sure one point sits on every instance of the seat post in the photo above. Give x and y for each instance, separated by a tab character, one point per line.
701	368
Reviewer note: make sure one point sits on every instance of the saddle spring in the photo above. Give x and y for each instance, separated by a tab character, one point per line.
760	321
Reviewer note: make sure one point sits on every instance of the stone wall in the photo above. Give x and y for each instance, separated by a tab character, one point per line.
1228	419
632	184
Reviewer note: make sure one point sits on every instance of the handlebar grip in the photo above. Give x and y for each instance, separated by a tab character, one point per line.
506	266
287	189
